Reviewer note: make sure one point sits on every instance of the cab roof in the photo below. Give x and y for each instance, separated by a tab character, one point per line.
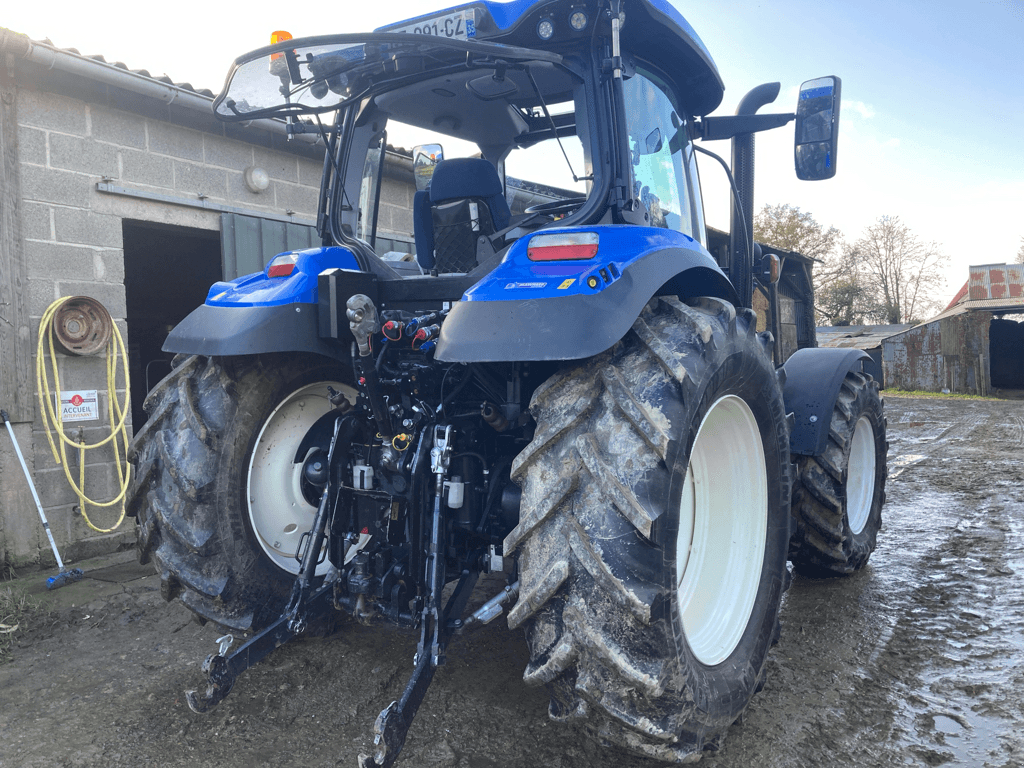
654	30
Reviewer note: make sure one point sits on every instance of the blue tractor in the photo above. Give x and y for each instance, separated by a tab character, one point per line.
575	395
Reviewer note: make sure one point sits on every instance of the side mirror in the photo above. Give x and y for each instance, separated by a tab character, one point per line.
424	158
817	128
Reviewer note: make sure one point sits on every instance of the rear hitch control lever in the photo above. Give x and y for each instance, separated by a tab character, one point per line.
392	725
305	602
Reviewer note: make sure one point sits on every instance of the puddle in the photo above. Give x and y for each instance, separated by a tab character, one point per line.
947	725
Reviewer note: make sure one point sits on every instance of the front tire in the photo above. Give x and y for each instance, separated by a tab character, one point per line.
838	498
653	531
216	493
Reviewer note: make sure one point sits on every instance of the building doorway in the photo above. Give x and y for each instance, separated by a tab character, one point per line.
1006	360
168	271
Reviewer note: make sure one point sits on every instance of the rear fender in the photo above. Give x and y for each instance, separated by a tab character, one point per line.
251	331
570	310
813	380
300	287
256	313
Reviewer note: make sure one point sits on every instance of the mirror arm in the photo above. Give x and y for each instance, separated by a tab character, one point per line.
727	126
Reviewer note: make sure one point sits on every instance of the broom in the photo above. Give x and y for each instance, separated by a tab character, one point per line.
65	576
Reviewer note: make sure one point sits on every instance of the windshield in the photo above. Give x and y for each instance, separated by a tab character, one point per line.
319	74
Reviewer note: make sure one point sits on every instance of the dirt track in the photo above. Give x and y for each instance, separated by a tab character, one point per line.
918	660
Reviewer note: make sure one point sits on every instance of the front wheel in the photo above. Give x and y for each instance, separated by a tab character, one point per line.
653	530
220	502
837	503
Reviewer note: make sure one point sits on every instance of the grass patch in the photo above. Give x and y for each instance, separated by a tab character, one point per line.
934	395
17	612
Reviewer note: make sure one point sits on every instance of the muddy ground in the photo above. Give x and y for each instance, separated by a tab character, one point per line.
917	660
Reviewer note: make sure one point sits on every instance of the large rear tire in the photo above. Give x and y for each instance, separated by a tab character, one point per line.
838	497
218	498
653	530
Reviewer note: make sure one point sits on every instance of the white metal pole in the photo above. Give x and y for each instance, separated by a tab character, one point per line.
32	487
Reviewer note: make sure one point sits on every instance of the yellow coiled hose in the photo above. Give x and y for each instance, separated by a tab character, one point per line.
53	420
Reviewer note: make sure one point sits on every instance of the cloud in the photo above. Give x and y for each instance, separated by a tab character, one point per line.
864	110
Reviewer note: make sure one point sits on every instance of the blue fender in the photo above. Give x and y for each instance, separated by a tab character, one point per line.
813	378
570	310
257	313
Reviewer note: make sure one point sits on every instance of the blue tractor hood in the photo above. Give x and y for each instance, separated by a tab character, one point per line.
654	30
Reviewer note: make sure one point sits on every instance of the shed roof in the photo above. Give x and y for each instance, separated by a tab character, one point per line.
19	44
996	306
65	70
990	287
857	336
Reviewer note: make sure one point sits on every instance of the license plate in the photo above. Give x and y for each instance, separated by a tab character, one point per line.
459	25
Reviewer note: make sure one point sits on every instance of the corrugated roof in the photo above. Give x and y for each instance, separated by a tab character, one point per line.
857	336
998	281
1015	306
991	288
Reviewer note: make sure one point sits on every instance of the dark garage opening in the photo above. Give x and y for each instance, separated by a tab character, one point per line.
167	273
1006	347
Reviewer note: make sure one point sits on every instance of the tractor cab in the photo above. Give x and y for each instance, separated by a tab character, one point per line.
517	101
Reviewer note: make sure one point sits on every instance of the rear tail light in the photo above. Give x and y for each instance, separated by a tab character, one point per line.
564	246
282	266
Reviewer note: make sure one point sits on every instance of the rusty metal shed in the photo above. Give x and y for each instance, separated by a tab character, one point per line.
972	347
868	338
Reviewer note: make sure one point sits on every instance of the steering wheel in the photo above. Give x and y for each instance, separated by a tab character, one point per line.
556	206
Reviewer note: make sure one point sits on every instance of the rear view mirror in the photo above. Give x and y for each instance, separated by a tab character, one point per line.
424	158
653	142
817	128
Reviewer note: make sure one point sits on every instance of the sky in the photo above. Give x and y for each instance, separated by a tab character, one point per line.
931	119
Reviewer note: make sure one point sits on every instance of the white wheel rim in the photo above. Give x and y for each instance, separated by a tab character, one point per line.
723	521
278	511
860	479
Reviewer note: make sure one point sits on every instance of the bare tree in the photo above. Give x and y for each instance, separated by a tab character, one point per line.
1020	252
838	291
903	271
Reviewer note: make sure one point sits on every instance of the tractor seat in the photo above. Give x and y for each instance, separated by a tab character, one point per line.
463	202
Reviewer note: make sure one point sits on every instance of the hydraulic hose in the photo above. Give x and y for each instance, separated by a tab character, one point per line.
53	420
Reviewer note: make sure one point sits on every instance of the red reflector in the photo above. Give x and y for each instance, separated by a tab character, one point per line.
563	246
562	252
282	265
280	270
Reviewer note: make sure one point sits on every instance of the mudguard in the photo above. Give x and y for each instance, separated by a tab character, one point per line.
251	331
570	310
813	380
257	313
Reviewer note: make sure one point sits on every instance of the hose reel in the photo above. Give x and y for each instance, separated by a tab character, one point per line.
82	326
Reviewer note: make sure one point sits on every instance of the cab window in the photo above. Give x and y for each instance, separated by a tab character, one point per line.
658	148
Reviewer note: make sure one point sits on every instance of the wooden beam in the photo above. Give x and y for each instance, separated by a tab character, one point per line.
15	332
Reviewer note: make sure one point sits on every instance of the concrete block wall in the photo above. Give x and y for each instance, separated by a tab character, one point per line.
394	217
71	136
